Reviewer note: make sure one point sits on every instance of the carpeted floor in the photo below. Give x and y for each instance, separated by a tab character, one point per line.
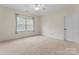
38	45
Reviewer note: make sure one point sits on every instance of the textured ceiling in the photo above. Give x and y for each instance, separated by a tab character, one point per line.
46	8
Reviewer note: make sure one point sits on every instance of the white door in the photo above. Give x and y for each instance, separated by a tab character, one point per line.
69	27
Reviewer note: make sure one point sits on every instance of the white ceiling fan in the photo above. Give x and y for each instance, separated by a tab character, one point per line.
38	7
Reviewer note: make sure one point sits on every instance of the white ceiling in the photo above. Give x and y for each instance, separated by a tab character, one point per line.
30	8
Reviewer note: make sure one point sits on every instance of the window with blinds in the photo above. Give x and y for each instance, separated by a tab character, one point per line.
25	23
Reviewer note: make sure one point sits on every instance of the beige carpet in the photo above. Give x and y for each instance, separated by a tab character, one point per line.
38	45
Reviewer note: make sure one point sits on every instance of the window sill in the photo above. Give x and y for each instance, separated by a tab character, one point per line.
24	32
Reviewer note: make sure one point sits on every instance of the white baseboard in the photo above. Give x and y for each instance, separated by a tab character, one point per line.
59	38
19	38
52	36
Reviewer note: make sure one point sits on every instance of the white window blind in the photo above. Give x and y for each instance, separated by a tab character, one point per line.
25	23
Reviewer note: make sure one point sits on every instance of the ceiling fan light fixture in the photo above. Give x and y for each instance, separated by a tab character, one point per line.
37	8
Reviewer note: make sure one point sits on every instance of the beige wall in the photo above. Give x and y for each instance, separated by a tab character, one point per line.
8	25
53	23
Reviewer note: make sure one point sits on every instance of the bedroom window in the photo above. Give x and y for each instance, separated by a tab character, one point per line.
25	23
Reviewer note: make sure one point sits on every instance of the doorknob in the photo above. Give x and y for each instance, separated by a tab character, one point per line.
65	28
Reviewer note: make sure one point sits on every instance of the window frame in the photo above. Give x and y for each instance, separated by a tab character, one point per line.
33	18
